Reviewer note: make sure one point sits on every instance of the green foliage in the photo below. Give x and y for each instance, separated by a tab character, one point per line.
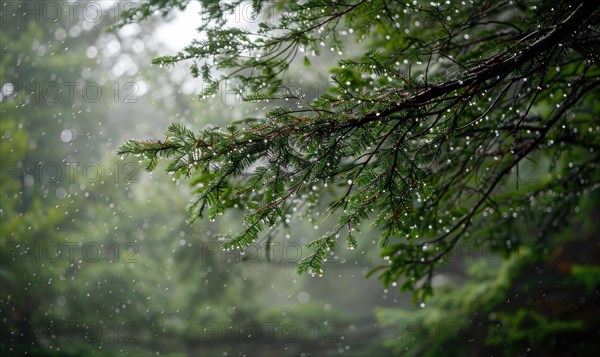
421	136
504	309
587	275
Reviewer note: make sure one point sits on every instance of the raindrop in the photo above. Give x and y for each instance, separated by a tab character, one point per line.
66	136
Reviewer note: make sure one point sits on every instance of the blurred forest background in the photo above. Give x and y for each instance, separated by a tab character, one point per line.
97	257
